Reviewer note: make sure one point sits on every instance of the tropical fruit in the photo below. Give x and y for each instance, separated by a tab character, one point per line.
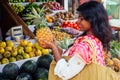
41	74
9	43
29	44
44	33
29	66
7	54
38	46
28	49
2	44
32	54
12	59
8	48
1	76
19	57
38	52
42	30
10	71
20	50
24	76
44	61
45	51
14	48
2	50
26	56
5	61
23	42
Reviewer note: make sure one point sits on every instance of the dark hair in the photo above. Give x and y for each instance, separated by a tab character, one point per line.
95	13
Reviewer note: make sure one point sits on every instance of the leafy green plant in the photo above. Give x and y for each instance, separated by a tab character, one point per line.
114	48
37	17
65	43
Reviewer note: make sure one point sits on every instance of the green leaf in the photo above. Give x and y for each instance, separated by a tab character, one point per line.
61	44
65	42
29	16
34	11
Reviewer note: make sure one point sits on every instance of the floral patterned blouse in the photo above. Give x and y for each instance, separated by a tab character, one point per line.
84	51
80	55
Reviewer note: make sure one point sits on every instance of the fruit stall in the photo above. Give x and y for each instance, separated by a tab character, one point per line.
21	56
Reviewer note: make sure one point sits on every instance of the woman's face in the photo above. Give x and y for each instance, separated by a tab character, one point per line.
84	25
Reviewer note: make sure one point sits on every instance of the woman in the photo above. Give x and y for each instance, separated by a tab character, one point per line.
93	20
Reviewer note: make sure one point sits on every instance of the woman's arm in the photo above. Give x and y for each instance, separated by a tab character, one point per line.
67	70
57	52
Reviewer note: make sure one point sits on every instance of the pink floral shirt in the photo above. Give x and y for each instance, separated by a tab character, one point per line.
84	51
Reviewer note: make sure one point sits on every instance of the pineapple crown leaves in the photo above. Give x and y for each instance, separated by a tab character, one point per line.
37	17
29	17
43	9
34	11
39	12
34	15
65	43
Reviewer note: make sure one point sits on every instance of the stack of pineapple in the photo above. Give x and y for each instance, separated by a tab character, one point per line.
38	18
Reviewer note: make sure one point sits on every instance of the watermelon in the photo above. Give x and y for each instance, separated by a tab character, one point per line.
1	76
41	74
24	76
29	66
10	71
44	61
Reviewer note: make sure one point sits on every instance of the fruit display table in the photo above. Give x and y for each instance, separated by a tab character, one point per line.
19	63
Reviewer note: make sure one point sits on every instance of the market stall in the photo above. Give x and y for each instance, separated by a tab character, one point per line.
39	19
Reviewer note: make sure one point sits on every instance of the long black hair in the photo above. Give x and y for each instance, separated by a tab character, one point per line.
95	13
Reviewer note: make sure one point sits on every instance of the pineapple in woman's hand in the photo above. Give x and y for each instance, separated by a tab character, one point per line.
44	33
42	29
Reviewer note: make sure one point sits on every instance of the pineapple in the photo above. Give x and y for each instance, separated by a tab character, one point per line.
43	31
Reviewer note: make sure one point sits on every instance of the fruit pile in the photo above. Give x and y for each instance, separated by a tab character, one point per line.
17	8
115	49
53	5
59	17
70	24
64	15
25	50
113	59
29	70
114	63
59	35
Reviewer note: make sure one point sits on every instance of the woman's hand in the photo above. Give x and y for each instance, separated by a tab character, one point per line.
57	51
48	45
